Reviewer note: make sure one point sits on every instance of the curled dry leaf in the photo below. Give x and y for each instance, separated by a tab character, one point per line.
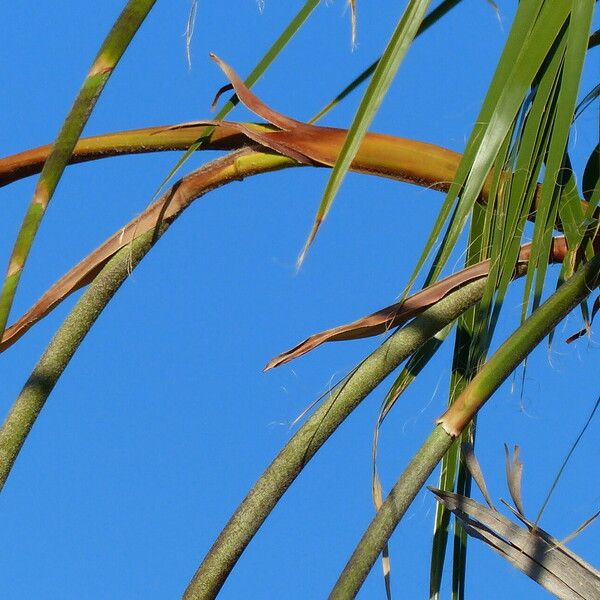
165	209
387	156
396	158
514	475
530	549
396	314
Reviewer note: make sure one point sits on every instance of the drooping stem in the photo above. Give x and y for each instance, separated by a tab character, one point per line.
280	474
59	352
110	53
457	417
388	516
107	280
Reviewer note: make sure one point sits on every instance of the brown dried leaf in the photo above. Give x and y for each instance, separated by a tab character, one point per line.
532	550
165	209
396	314
382	155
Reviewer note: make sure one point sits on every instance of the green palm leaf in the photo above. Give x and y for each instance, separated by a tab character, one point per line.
554	180
518	160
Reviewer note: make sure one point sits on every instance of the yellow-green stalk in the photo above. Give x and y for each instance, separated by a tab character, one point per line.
104	64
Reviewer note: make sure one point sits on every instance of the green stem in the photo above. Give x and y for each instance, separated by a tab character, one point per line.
280	474
110	53
53	362
522	341
457	417
390	513
171	205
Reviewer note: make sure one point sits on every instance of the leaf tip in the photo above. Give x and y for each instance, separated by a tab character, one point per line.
352	4
308	243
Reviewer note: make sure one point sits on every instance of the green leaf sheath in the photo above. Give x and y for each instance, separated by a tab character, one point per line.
276	479
109	55
457	417
59	352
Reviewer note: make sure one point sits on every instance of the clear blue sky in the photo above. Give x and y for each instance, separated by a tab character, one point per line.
164	418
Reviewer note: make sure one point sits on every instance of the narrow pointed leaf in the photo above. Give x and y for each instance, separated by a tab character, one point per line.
110	53
378	87
514	475
533	33
476	473
554	178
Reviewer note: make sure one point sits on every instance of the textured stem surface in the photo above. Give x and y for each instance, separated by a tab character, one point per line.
108	277
457	417
59	352
280	474
390	513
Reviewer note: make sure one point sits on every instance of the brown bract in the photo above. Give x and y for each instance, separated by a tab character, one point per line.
396	314
383	155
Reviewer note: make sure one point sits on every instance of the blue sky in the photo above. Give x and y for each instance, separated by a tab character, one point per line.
164	418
